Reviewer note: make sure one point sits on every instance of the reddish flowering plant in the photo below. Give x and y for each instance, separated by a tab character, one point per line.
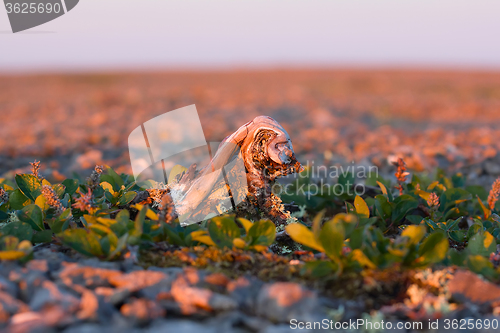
494	194
35	169
52	200
85	202
433	201
95	178
400	174
4	196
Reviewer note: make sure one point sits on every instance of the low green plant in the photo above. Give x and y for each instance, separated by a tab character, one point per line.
412	224
223	232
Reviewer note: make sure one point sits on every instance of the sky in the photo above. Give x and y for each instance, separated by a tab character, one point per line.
183	34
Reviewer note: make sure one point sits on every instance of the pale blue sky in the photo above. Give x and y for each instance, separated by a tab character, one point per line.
136	34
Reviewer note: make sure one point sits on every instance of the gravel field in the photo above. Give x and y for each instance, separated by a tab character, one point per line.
445	119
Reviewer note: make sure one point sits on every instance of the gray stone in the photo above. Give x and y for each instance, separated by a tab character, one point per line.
96	328
50	293
32	281
29	322
152	292
184	326
237	321
469	287
53	257
94	262
219	302
280	329
86	328
282	301
492	168
119	296
9	305
246	293
8	287
7	266
167	270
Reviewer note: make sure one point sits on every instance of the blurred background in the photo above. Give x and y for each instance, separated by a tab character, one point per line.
360	81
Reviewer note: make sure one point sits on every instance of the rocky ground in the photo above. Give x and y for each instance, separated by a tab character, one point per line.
73	122
58	291
431	118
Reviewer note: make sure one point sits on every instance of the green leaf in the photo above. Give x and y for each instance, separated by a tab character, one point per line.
84	241
126	198
415	219
18	200
301	234
108	187
458	180
112	199
350	209
403	207
105	245
71	185
358	256
176	170
223	230
123	217
431	224
29	185
320	268
457	257
350	222
486	211
477	191
139	221
482	244
42	203
3	216
383	206
22	231
61	222
120	227
346	179
415	233
245	223
453	197
332	237
120	246
12	255
457	235
474	229
481	265
59	189
316	224
9	243
44	236
361	207
382	187
357	238
113	178
433	249
453	224
173	237
32	214
262	232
